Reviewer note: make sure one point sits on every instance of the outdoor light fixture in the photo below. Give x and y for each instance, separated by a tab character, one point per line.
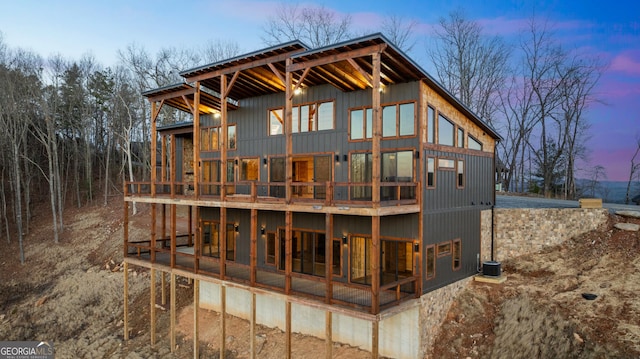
416	247
345	158
217	115
262	230
236	228
337	158
344	240
297	91
416	154
236	161
264	161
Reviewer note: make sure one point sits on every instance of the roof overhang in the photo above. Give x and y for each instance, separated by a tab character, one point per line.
181	96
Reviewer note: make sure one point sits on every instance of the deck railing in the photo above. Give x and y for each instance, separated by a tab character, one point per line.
321	193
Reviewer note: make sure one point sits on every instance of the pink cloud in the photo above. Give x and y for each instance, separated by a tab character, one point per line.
627	62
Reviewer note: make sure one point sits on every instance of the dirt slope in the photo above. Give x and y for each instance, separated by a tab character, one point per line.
539	312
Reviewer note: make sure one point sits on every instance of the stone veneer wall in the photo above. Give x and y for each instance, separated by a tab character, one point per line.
434	307
519	231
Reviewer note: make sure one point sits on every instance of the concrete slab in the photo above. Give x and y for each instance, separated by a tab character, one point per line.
490	279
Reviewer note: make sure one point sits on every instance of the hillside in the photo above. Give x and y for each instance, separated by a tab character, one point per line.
71	294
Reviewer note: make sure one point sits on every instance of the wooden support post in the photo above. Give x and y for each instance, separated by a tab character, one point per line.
252	330
328	223
375	265
196	306
153	233
224	137
190	227
288	112
288	220
253	251
288	330
163	291
377	132
375	333
163	166
222	242
152	311
196	142
172	167
125	230
173	235
328	333
154	141
223	318
164	221
172	313
126	300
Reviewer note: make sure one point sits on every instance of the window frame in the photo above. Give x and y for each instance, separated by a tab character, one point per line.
368	109
454	266
275	248
453	130
241	171
460	176
441	252
471	139
296	111
209	130
432	185
426	264
431	124
460	137
446	168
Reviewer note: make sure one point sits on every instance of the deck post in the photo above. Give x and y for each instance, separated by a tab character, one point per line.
125	229
173	235
223	318
328	222
152	309
375	332
196	142
154	144
288	220
126	300
288	330
153	233
163	290
328	333
253	256
375	265
164	221
222	242
252	330
377	131
224	137
172	314
196	306
288	111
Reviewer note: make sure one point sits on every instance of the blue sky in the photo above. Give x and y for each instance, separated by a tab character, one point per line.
609	29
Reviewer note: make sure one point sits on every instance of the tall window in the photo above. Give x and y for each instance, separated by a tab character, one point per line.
431	262
431	124
397	260
460	176
457	254
445	131
210	175
270	249
360	271
431	172
276	122
337	257
277	174
474	144
460	141
211	240
361	167
397	167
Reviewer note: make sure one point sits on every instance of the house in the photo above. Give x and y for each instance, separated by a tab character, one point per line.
341	183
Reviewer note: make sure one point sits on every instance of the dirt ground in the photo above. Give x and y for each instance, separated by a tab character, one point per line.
540	312
71	293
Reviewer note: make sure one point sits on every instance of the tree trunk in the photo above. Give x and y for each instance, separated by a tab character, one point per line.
18	198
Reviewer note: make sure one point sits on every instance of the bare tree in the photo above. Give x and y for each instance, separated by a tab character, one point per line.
634	168
315	26
399	31
470	64
218	50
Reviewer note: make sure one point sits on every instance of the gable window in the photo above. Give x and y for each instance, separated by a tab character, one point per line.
445	131
460	172
474	144
460	137
431	124
431	172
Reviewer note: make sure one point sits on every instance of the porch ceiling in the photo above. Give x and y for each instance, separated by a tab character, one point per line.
181	96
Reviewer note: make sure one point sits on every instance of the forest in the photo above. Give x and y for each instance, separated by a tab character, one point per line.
73	130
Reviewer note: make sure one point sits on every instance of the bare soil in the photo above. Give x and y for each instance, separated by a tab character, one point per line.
71	293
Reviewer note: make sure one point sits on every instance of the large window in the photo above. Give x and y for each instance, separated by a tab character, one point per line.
311	117
211	240
395	167
249	169
397	121
445	131
308	252
361	167
360	259
277	174
210	138
361	124
397	260
474	144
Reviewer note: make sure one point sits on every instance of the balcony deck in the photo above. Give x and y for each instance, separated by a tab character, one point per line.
311	197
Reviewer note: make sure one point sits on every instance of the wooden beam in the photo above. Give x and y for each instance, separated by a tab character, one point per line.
173	229
375	265
222	242
152	309
171	95
341	56
153	232
253	251
377	132
172	166
288	330
333	79
223	138
191	108
196	317
288	220
154	140
297	86
277	73
328	274
126	300
288	111
125	228
172	313
223	318
328	333
231	83
244	66
362	72
196	145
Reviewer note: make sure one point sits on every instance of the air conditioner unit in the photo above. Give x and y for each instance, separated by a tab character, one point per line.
491	269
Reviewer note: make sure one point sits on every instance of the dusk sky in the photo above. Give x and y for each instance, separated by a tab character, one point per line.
610	30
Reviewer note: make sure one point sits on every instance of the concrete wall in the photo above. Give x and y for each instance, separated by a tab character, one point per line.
519	231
